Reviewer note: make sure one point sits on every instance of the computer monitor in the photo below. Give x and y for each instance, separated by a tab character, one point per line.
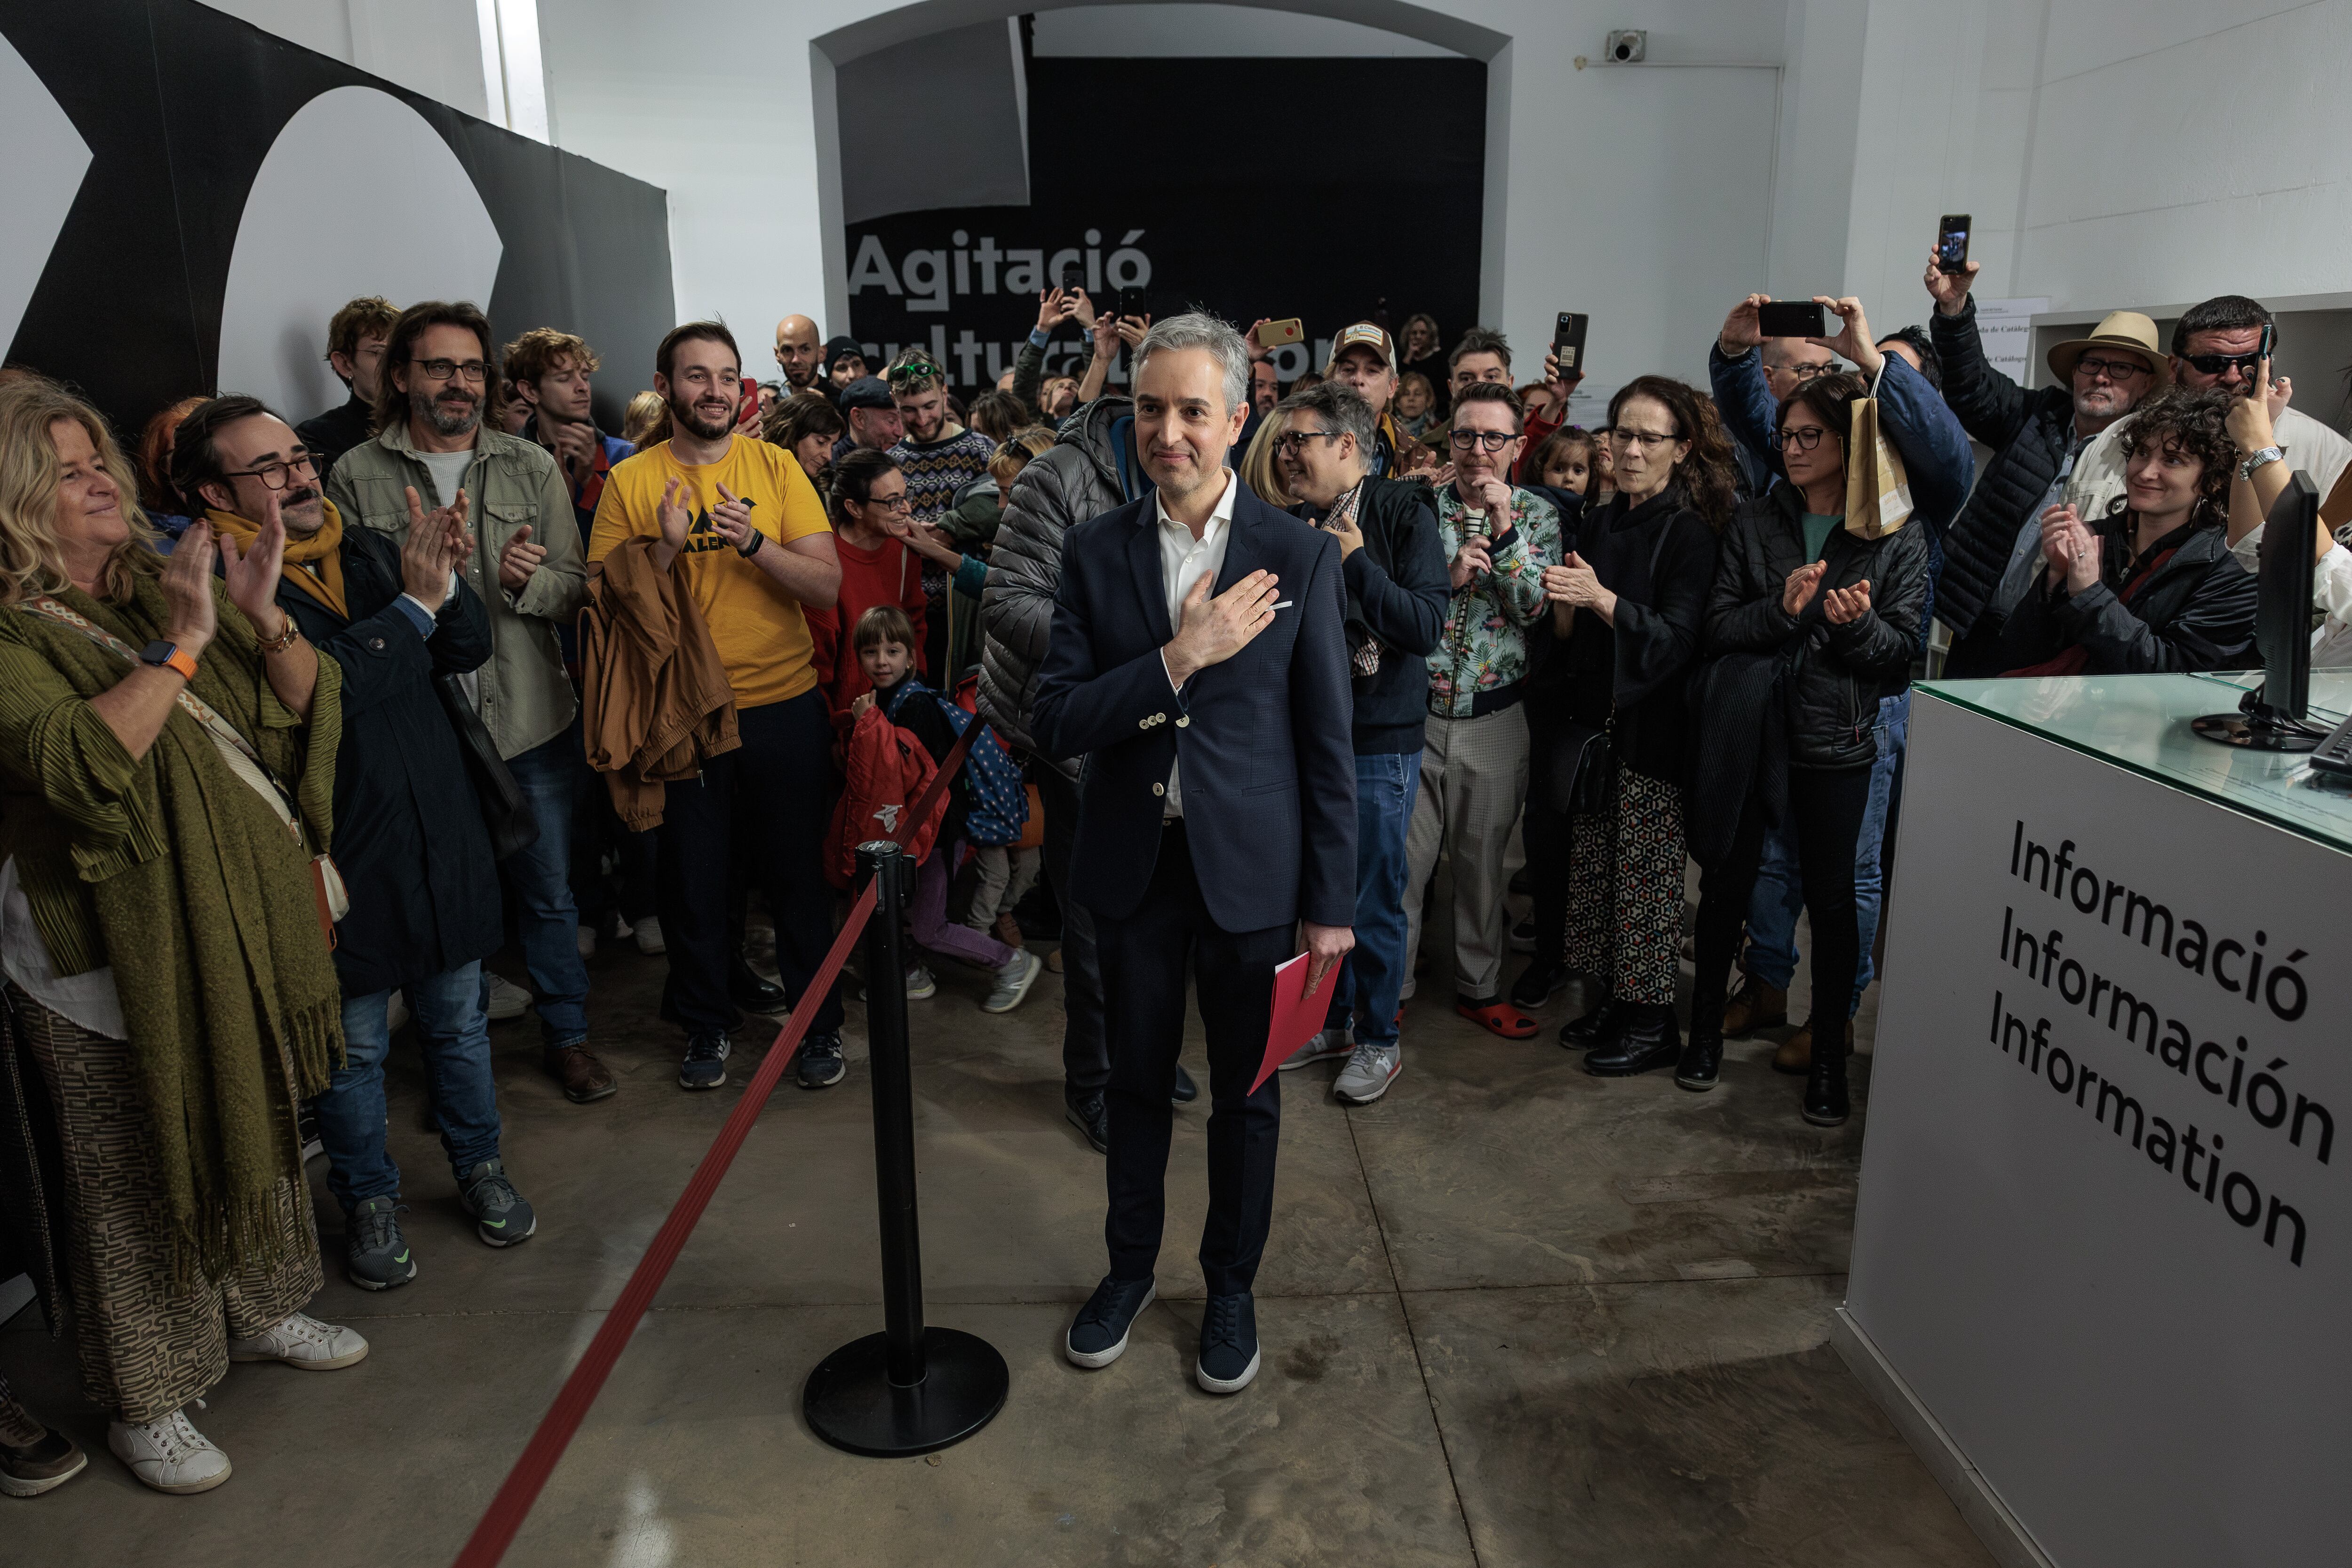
2270	718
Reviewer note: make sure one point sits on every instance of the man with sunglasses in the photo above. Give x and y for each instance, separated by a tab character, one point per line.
1993	549
2227	341
1473	759
438	440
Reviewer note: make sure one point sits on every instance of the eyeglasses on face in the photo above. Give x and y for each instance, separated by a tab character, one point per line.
473	370
276	476
902	501
2219	365
1803	437
1491	440
1290	441
1648	440
2124	369
1807	370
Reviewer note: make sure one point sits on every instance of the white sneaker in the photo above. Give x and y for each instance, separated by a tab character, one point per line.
649	937
1369	1073
395	1013
1327	1043
508	1000
169	1455
921	984
587	939
303	1342
1012	981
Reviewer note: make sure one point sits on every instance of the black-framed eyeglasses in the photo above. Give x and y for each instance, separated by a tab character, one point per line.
1491	440
1648	440
277	476
2117	369
1290	441
444	369
1803	437
902	501
2219	365
1807	370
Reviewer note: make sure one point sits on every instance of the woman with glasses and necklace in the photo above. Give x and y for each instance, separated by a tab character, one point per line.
873	522
1628	603
1809	626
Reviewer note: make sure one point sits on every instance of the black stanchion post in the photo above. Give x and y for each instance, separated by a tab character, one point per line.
911	1388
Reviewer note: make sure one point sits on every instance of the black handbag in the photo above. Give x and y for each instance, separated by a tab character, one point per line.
505	812
1583	759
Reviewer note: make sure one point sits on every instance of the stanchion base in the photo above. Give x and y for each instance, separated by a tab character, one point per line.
851	1404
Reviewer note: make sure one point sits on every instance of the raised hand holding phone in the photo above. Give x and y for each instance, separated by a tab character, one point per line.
1949	289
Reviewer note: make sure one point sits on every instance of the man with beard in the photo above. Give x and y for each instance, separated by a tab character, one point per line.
355	340
526	566
939	457
798	354
425	909
871	417
741	531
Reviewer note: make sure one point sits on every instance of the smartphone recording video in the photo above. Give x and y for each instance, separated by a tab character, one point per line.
1952	243
1274	334
1568	343
1074	277
1792	318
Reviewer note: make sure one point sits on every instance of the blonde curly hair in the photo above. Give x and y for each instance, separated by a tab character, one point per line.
32	557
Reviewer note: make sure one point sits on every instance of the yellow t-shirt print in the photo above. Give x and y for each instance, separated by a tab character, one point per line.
761	637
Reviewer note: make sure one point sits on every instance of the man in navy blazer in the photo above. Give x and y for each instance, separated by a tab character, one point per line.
1197	662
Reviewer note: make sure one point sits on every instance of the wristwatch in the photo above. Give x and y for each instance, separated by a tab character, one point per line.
2261	458
167	656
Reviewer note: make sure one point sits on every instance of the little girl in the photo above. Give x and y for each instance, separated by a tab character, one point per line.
1564	460
883	640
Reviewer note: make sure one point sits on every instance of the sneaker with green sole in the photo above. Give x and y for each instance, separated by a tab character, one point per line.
500	1216
376	1255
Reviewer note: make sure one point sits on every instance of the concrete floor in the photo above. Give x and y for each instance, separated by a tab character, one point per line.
1512	1315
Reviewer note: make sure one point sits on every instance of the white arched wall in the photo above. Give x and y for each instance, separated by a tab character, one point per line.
1642	195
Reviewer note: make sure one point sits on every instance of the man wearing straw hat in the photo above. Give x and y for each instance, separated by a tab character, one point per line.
2037	437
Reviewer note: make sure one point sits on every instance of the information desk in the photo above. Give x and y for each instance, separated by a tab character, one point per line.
2102	1270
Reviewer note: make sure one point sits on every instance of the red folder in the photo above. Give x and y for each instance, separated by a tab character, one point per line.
1297	1016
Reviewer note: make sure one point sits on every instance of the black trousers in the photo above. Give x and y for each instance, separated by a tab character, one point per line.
762	806
1144	958
1545	831
1086	1055
1826	807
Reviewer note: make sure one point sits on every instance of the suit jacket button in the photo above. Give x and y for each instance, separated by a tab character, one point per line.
1143	724
375	644
1159	789
1182	722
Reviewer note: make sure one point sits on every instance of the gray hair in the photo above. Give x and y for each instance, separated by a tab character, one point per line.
1339	405
1199	330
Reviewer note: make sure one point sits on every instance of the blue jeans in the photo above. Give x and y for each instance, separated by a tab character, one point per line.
1773	909
539	890
457	1039
1374	973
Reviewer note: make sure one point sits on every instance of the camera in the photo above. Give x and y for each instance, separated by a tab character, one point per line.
1627	45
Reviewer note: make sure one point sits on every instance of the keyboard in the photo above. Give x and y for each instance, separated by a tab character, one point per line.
2335	754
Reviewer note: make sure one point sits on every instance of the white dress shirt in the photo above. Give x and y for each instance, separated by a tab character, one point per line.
1184	561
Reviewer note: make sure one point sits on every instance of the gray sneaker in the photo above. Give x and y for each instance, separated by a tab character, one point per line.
1369	1072
1327	1043
500	1216
375	1254
1012	981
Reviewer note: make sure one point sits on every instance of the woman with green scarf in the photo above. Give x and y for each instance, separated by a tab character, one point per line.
167	746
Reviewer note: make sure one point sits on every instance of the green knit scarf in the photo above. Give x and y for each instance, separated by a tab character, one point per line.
207	915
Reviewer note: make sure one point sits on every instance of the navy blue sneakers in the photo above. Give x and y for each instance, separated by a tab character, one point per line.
1228	1344
1098	1336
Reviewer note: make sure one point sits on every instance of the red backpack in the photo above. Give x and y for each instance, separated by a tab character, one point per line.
889	770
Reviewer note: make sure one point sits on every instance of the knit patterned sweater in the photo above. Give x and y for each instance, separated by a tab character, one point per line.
935	470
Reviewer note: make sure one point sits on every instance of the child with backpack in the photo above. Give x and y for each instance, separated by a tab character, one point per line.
884	640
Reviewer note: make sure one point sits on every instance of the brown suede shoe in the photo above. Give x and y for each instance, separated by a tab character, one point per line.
1054	961
576	1067
1796	1053
1008	931
1755	1006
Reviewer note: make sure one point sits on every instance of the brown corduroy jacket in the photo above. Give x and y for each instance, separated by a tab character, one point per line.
654	702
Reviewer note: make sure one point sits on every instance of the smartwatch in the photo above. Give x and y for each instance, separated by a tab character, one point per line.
2260	459
167	656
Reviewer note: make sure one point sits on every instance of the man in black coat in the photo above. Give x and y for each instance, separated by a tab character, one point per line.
1393	567
1993	548
410	841
1198	662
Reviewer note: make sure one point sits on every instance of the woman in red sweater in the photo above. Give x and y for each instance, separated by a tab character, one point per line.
871	518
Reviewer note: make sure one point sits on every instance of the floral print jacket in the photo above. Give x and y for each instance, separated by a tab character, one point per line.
1482	654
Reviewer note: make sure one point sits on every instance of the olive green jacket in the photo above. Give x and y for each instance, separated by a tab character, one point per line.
526	700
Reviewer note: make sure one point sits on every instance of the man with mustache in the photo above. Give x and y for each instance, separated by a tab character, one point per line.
425	909
437	436
739	529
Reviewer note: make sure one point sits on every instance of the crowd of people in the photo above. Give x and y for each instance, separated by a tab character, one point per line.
252	670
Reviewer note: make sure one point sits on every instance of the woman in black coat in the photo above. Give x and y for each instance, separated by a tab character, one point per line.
1824	623
2151	586
1628	609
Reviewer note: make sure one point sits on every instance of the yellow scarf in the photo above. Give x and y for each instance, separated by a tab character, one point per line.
314	564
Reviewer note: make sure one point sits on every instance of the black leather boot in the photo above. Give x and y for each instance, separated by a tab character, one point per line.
1702	1061
1650	1038
1825	1102
751	990
1597	1025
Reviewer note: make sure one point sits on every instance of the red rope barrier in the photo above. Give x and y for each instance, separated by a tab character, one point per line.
487	1545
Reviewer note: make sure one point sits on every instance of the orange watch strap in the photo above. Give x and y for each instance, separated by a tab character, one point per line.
183	661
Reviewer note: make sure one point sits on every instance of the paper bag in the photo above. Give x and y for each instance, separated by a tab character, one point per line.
1877	490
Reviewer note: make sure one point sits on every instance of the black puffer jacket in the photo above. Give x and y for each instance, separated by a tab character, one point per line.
2029	433
2196	611
1077	480
1836	674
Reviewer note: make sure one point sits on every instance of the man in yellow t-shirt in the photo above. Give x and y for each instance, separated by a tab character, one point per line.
741	528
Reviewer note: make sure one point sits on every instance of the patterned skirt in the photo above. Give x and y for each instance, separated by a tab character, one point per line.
146	1346
1625	890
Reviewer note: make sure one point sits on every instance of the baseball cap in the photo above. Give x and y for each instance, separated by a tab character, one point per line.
1363	334
865	391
